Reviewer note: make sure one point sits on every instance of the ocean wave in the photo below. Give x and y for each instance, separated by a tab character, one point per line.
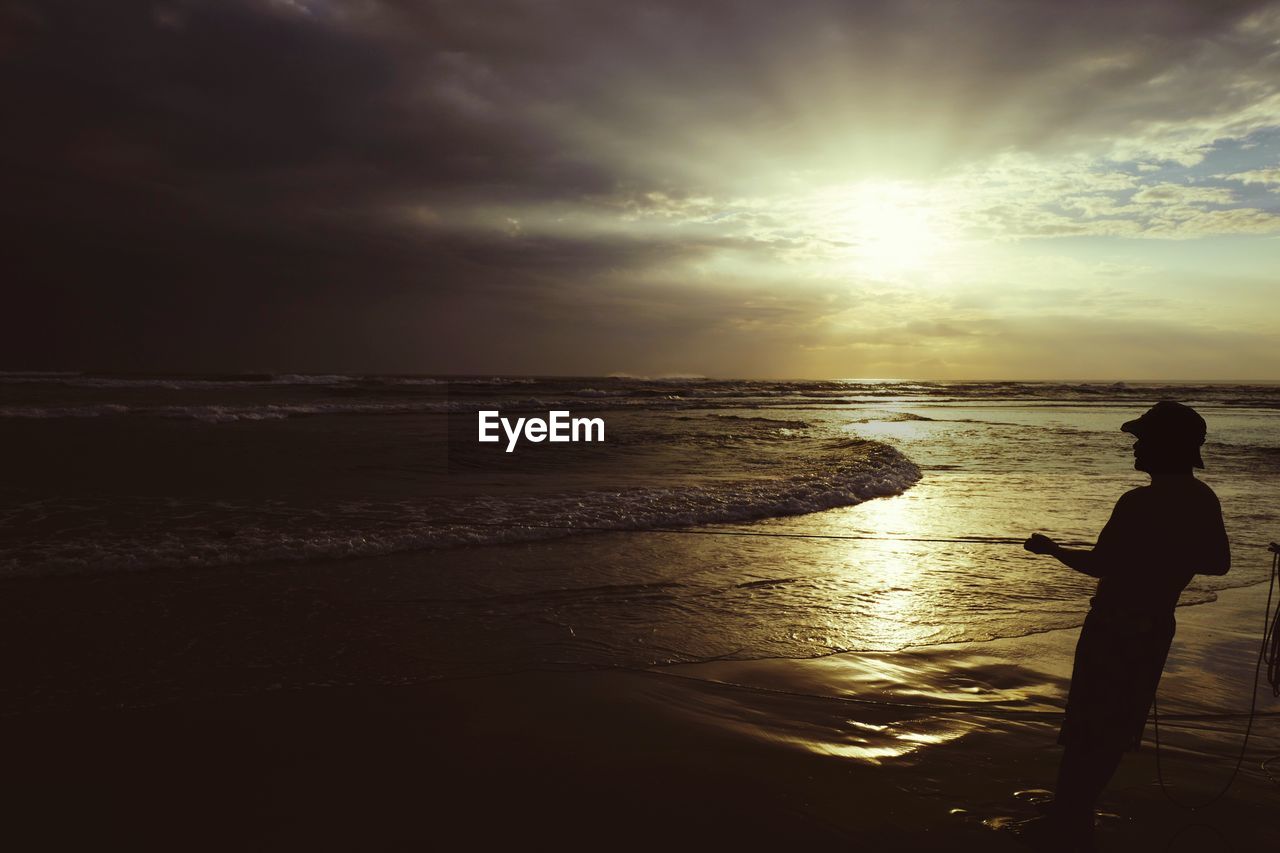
843	472
312	379
409	380
46	412
213	382
18	375
890	417
390	404
777	423
493	380
219	414
596	392
228	413
171	383
687	386
269	396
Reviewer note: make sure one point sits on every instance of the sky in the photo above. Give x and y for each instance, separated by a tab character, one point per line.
1002	189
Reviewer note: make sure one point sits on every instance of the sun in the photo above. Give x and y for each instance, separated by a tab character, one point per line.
881	229
891	230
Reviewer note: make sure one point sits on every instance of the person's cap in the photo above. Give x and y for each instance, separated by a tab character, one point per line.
1171	422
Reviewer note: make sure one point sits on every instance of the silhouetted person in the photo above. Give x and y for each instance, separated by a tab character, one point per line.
1158	537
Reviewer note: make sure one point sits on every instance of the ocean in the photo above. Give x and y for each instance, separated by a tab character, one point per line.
630	552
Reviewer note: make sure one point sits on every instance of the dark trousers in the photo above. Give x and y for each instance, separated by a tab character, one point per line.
1084	771
1118	662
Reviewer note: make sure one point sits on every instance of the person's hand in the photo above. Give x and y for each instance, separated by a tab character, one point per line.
1038	543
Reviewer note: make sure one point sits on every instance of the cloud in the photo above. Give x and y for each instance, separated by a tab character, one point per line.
1186	223
371	184
1266	177
1178	194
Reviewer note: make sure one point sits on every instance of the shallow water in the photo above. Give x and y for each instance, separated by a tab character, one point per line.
178	473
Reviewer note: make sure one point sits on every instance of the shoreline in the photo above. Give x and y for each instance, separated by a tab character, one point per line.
190	617
818	749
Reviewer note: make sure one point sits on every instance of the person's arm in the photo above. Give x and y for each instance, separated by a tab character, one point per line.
1080	559
1095	561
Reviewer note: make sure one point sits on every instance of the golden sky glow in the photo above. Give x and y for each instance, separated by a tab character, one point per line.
912	189
877	195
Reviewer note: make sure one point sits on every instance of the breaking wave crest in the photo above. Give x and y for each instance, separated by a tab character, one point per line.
221	398
842	472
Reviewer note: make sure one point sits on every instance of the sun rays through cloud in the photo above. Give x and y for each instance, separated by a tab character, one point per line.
715	187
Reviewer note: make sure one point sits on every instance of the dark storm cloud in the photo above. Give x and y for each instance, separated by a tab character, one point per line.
235	104
234	183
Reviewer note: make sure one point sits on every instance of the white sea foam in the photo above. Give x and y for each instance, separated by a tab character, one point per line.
46	412
312	379
850	473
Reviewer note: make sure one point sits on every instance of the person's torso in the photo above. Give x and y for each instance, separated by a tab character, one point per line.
1159	546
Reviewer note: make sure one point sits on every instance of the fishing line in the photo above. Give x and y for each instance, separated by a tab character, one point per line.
1273	636
682	531
1268	652
717	531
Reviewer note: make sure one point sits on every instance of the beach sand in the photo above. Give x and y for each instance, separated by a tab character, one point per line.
240	709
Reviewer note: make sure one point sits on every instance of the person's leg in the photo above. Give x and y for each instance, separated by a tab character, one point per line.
1102	764
1082	775
1072	804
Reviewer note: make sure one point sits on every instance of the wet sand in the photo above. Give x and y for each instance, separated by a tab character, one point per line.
142	717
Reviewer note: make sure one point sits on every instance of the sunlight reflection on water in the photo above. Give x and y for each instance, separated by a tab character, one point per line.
993	472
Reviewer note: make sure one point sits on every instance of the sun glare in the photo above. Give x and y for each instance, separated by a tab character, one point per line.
891	231
884	230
